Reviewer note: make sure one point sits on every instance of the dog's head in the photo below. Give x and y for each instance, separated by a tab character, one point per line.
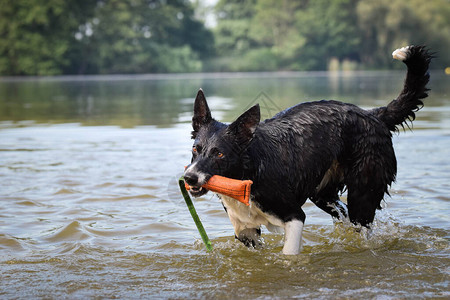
218	148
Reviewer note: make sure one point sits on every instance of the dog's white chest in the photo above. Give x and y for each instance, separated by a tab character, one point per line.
243	216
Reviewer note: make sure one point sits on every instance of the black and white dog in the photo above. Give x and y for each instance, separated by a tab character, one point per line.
312	150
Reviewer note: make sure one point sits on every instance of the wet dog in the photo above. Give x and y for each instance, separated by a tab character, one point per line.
312	150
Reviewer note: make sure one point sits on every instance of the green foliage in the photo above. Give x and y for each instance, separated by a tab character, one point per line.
49	37
111	36
386	24
35	35
176	60
299	35
232	31
277	30
146	36
311	35
329	29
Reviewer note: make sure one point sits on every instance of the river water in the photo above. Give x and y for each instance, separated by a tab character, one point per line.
90	206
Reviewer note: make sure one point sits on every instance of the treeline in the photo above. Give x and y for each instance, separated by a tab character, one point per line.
49	37
322	34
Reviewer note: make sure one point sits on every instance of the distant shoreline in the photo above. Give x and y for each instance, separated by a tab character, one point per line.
201	75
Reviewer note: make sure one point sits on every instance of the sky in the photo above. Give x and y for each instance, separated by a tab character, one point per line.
210	20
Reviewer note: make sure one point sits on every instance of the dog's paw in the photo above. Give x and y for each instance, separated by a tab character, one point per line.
250	237
401	53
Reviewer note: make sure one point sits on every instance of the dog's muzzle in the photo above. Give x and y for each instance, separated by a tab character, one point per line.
195	187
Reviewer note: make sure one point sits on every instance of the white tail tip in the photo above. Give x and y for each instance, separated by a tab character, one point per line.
401	53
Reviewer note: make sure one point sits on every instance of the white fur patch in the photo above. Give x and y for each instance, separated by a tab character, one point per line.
243	216
293	237
401	53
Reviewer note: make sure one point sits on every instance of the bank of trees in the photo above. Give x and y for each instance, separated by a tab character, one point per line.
318	34
48	37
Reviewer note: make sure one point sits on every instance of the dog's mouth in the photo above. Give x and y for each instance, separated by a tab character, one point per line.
197	191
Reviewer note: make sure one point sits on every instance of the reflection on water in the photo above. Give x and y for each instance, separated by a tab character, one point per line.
95	211
139	100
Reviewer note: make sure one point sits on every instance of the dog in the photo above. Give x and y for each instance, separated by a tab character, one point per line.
313	150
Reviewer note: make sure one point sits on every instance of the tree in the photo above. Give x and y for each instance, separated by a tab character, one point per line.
330	30
384	25
36	35
388	24
233	26
435	23
276	29
48	37
109	36
292	35
307	35
144	36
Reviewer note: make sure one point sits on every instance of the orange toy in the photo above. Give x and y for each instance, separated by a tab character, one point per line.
236	189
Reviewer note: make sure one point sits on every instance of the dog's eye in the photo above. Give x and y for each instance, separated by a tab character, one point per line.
220	155
194	149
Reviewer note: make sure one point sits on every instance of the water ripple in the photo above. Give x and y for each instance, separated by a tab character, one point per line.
99	213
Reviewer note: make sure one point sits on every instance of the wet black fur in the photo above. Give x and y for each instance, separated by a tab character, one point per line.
288	156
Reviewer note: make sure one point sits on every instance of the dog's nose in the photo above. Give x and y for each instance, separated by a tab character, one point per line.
191	179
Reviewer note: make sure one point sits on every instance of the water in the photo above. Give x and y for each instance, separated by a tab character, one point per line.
90	205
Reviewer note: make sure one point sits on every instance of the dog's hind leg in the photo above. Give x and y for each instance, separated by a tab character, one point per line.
327	199
369	177
363	201
362	205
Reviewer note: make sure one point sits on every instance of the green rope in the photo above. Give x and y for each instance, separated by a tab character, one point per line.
194	215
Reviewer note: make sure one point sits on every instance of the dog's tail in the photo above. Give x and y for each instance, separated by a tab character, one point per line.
417	59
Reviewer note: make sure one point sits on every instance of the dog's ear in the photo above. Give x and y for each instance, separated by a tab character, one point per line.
244	127
202	114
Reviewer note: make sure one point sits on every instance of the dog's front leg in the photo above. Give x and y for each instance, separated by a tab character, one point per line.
244	220
250	237
292	237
